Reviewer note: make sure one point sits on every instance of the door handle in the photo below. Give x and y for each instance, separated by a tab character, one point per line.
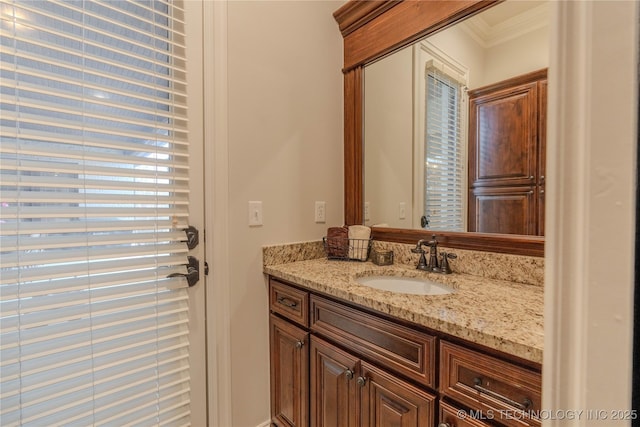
193	271
193	236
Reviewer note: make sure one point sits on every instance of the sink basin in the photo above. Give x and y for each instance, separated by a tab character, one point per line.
405	285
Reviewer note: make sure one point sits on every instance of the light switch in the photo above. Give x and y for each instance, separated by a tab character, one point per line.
255	213
367	211
321	214
402	210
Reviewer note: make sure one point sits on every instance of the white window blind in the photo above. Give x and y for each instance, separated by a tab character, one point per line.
444	163
94	187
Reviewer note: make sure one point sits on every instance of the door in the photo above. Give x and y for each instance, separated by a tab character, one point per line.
389	401
334	398
503	135
100	175
289	373
511	210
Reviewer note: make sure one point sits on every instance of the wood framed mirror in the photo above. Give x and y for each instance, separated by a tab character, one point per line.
371	30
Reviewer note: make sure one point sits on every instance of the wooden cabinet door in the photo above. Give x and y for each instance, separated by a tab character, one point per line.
507	210
334	401
542	153
289	374
388	401
503	135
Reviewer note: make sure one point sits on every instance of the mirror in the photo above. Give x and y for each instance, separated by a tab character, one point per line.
370	31
415	166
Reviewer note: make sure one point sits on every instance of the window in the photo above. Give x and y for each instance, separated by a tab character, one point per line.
444	170
93	186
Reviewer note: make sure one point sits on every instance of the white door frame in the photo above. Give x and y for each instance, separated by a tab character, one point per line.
217	216
197	309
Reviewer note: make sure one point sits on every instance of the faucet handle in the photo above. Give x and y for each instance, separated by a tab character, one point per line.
448	255
444	264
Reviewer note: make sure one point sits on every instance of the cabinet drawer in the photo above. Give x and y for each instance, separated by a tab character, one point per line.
508	393
400	349
289	302
450	416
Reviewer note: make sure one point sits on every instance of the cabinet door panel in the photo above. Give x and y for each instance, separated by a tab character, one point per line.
503	136
333	387
389	401
542	149
289	374
507	210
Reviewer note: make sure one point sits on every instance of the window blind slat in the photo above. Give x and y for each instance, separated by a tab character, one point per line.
95	161
94	188
80	109
48	227
93	89
78	125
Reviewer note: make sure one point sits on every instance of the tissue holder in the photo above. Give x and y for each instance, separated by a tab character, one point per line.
382	257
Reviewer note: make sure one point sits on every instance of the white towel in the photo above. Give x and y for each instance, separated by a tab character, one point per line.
358	249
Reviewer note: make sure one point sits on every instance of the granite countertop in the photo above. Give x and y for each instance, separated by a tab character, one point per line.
498	314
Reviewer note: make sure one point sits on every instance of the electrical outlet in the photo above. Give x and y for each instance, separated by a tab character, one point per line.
402	210
255	214
367	211
320	215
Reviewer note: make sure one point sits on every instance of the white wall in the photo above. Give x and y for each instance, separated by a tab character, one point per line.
285	144
529	52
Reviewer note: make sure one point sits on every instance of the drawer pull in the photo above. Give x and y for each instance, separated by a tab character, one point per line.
361	381
287	302
349	374
526	404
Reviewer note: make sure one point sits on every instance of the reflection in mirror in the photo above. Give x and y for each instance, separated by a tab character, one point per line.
416	121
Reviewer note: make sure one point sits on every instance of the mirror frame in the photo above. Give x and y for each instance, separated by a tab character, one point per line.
371	30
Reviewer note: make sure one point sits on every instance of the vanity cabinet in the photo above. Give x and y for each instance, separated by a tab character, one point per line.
333	364
507	144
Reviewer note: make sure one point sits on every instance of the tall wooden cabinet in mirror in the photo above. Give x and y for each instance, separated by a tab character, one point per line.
371	30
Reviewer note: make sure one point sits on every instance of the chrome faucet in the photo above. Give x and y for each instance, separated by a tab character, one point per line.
434	265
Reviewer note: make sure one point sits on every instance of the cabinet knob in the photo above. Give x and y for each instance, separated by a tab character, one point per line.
349	374
361	381
531	177
299	344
